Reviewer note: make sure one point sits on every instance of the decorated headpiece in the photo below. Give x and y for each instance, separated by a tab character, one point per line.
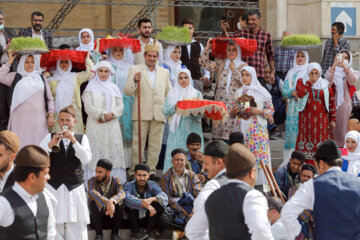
152	47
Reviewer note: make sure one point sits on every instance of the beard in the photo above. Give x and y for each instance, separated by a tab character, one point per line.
103	179
4	167
37	27
145	34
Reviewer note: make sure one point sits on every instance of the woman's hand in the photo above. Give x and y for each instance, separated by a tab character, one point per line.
108	117
234	112
46	74
12	55
293	93
232	66
50	120
209	44
332	124
97	45
256	111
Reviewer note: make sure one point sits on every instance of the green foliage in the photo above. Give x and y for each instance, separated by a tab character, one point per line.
174	34
301	39
27	43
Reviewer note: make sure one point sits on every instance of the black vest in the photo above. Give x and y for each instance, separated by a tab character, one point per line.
192	63
65	167
222	179
224	209
26	226
17	78
9	181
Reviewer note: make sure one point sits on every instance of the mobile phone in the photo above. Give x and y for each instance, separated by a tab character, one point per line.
339	57
343	151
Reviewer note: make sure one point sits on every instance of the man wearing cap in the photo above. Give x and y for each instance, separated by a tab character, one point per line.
237	209
66	171
155	85
182	186
195	155
236	137
26	210
334	198
106	197
197	227
9	146
145	201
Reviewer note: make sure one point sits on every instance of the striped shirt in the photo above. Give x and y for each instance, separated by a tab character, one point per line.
330	52
115	192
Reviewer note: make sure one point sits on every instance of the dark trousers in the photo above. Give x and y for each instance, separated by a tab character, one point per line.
149	223
279	115
99	218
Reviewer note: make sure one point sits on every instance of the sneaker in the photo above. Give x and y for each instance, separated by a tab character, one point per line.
138	236
275	135
115	237
99	237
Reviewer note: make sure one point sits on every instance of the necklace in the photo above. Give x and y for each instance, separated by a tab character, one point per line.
316	99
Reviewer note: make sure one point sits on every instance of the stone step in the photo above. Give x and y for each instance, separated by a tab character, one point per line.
276	153
276	162
276	144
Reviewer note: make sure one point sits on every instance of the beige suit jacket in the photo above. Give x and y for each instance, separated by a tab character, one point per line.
151	99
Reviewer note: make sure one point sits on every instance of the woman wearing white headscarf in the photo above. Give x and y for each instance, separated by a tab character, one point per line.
255	127
32	105
181	126
342	76
103	104
351	162
301	61
316	106
121	58
86	40
228	82
172	62
65	87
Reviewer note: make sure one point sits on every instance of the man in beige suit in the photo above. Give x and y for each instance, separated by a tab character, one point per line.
155	84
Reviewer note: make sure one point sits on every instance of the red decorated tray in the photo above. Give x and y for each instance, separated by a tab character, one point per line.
212	109
48	60
125	42
219	45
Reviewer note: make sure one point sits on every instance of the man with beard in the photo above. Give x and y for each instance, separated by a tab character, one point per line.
145	30
9	146
106	197
37	20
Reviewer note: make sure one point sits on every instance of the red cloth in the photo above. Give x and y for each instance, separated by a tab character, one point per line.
48	60
314	120
219	45
214	114
125	42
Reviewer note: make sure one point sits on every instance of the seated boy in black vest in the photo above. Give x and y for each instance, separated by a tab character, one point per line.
274	87
66	183
106	198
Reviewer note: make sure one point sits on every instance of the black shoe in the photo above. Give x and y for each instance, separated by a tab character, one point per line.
154	178
115	237
99	237
138	236
275	135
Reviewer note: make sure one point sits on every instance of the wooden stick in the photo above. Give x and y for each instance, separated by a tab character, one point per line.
139	120
275	183
267	177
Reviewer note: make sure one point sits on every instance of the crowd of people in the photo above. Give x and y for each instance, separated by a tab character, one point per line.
83	147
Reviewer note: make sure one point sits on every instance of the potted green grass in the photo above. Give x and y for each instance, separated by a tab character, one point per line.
173	35
301	41
28	45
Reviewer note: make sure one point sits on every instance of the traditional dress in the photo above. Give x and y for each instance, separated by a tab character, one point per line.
31	102
351	162
316	110
292	115
255	128
228	83
342	81
90	45
121	68
65	87
181	126
102	97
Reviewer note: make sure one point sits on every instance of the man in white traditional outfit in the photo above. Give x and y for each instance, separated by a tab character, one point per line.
66	183
155	85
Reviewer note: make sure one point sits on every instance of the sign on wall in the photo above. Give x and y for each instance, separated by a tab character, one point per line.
346	14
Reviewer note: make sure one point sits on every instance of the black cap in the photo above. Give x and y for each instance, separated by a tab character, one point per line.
105	163
216	149
328	151
178	150
193	138
143	167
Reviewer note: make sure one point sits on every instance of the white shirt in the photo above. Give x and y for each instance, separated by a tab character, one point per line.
38	35
7	213
152	75
82	152
206	72
304	198
197	227
3	180
279	232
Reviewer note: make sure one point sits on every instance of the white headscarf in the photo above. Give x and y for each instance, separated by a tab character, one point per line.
178	93
30	83
339	80
237	61
321	83
108	88
90	45
256	90
65	87
299	69
174	66
122	67
353	157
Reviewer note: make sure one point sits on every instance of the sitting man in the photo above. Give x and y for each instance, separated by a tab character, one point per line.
306	219
288	176
274	86
106	197
144	203
277	228
194	155
182	187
